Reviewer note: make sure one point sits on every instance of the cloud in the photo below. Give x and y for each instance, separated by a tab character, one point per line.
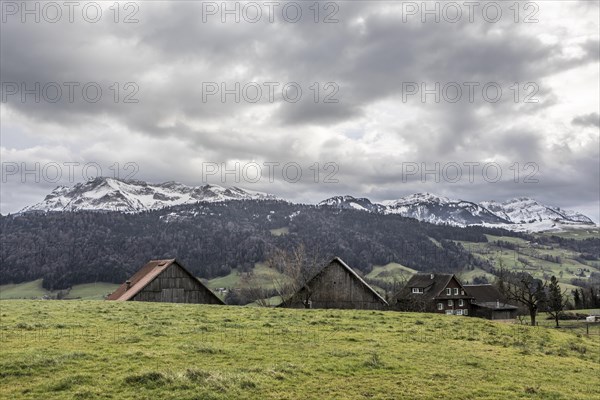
592	119
364	62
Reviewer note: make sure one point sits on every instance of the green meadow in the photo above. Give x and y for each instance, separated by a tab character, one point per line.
114	350
261	276
530	258
34	289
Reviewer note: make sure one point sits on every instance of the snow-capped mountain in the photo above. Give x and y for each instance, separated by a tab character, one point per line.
352	203
522	214
109	194
431	208
527	214
525	210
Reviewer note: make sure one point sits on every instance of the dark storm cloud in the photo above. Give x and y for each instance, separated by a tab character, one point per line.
592	119
370	55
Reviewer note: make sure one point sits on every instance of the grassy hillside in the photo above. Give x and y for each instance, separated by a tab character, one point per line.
263	276
26	290
34	289
102	350
92	291
391	272
576	233
529	257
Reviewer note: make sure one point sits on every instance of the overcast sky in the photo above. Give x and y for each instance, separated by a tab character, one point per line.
370	126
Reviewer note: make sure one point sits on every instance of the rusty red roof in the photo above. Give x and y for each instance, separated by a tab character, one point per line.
144	276
140	279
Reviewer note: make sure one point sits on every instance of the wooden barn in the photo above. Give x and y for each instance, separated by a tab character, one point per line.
489	303
164	281
336	286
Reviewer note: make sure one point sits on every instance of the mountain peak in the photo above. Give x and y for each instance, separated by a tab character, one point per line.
131	196
350	202
112	194
521	213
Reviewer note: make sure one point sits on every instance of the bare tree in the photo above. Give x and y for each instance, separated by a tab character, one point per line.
523	288
253	291
297	267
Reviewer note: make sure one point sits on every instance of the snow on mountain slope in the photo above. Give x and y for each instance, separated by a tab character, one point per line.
109	194
524	210
522	214
431	208
350	202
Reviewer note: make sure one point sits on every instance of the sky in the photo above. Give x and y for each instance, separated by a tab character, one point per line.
305	100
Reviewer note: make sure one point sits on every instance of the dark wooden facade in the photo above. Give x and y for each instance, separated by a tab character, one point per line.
489	303
165	281
444	294
439	293
337	286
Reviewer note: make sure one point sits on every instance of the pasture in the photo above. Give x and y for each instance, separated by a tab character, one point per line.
113	350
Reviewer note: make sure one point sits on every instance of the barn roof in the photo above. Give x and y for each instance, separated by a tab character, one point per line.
352	273
144	276
356	276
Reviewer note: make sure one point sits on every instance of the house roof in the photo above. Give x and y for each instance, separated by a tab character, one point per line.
484	293
488	296
144	276
352	273
432	285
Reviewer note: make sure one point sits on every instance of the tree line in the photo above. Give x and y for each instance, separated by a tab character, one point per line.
211	239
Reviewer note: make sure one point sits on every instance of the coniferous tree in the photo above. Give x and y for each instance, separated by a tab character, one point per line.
556	300
576	299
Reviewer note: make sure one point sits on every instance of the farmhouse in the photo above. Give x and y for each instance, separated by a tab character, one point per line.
164	281
336	286
489	303
440	293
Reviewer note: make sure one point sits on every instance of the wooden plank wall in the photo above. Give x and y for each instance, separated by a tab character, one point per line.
174	285
335	287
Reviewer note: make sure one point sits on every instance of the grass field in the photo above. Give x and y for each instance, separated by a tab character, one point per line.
92	291
25	290
565	271
576	233
280	231
113	350
466	277
391	272
34	289
263	276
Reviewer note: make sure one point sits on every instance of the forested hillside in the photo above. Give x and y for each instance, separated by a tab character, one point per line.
67	248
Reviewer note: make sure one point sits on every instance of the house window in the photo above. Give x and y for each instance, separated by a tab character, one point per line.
450	303
448	292
465	312
461	303
440	306
456	291
459	312
462	292
449	312
417	290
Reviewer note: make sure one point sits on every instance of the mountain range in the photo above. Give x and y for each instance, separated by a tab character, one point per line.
519	214
131	196
109	194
